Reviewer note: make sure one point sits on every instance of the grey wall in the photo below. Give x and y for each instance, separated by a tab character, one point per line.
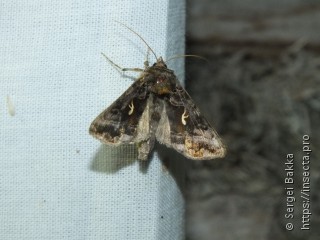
261	91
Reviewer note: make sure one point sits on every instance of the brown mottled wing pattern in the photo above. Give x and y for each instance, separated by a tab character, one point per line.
122	122
183	128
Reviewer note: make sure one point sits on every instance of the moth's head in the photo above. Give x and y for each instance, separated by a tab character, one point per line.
160	63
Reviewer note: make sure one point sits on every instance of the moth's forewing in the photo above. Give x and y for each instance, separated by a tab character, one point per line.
183	128
121	122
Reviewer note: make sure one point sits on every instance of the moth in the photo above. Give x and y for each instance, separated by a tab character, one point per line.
157	107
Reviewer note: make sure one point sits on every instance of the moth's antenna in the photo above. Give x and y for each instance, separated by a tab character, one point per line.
139	37
188	55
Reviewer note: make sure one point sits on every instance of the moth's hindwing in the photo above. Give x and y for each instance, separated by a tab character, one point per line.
183	128
126	121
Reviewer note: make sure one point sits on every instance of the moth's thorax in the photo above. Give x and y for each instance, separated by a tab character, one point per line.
162	79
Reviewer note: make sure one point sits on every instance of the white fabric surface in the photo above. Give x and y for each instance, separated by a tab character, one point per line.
57	182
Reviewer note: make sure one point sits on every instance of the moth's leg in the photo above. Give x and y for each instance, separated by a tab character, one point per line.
146	62
121	68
